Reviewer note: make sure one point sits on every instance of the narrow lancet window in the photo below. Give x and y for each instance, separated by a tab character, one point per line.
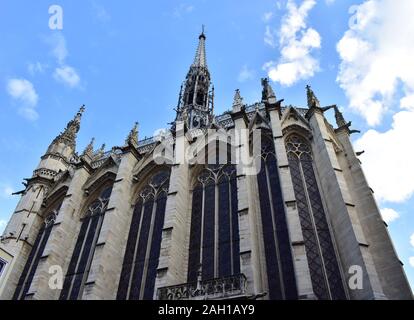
82	255
323	264
144	241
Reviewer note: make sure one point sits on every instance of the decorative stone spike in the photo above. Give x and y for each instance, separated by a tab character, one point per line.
268	95
89	148
133	135
313	101
237	101
340	120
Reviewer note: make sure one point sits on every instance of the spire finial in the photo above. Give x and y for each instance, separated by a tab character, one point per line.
200	57
237	101
340	120
313	101
89	148
133	135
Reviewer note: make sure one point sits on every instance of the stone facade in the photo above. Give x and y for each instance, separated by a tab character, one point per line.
301	227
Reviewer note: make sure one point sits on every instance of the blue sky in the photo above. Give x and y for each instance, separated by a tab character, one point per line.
126	63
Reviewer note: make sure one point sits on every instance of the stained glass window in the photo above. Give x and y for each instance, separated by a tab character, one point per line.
36	253
323	263
144	241
82	255
279	262
214	234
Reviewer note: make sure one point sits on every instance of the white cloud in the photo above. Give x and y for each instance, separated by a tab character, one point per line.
412	239
411	261
24	91
389	215
36	67
245	74
267	16
182	9
6	191
101	14
67	75
296	42
329	2
377	57
269	37
58	43
64	73
388	158
3	224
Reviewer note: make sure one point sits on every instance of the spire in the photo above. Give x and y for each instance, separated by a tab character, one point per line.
268	95
133	135
89	148
340	120
313	101
68	136
237	101
200	57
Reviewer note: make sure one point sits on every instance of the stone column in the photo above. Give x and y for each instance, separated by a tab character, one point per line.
341	212
300	261
173	260
62	239
103	279
390	271
19	236
252	263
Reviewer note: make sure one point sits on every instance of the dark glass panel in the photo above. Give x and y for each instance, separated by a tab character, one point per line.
282	232
321	224
275	290
29	261
224	229
86	252
155	248
195	234
235	225
311	244
129	252
208	232
141	250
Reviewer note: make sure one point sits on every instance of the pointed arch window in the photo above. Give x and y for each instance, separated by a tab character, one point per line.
214	234
323	263
35	255
144	241
82	255
279	261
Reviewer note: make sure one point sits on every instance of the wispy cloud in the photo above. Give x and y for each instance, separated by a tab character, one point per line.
297	41
3	224
6	191
182	10
63	73
269	37
100	13
389	215
267	16
245	74
67	75
36	67
24	92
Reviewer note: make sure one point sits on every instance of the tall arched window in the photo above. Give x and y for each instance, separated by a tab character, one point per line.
214	234
144	241
323	265
36	253
279	261
82	255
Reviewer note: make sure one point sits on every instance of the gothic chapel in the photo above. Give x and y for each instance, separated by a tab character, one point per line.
119	225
